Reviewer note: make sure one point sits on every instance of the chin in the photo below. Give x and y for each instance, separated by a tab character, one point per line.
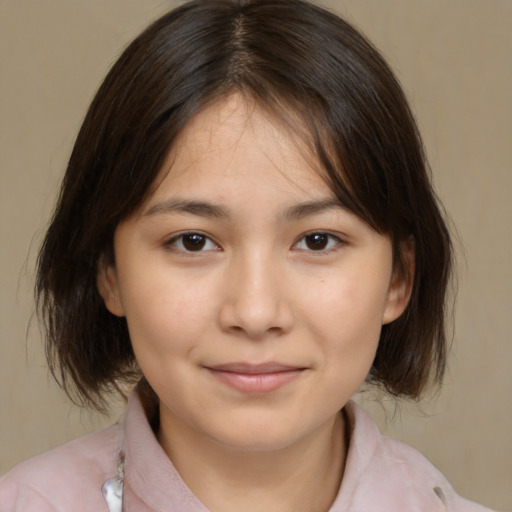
257	435
257	442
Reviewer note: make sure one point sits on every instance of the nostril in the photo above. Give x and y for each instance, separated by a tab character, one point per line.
253	332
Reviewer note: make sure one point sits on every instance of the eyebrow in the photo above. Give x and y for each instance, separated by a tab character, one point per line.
201	208
302	210
208	209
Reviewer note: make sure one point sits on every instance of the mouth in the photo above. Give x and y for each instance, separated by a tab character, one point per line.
255	378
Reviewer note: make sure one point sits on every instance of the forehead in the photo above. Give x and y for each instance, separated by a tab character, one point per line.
234	142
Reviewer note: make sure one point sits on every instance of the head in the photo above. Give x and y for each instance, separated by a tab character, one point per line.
319	81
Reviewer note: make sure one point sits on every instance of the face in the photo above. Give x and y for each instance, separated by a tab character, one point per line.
254	300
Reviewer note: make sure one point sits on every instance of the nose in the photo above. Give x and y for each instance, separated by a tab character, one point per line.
255	300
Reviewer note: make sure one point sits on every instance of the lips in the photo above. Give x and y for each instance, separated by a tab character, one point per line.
255	378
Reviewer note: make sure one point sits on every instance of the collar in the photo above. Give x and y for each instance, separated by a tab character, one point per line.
380	474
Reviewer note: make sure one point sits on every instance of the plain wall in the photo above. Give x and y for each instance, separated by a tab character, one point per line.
454	58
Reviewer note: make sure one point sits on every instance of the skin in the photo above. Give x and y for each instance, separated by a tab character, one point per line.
269	280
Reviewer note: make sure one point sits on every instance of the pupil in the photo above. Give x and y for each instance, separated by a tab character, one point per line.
317	241
194	242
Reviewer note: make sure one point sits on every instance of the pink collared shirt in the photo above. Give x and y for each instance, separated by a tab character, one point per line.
381	475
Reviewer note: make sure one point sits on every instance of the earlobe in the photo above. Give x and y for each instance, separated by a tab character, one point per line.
400	288
108	288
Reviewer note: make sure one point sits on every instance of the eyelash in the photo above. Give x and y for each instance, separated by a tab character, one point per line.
178	240
176	243
333	242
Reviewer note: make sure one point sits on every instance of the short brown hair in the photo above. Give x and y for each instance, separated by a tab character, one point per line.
297	60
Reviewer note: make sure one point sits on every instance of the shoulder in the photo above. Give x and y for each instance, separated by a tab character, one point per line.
54	480
417	474
394	476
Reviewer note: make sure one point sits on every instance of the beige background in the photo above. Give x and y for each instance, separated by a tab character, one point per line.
454	58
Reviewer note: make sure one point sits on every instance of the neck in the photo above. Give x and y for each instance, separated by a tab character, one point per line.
303	476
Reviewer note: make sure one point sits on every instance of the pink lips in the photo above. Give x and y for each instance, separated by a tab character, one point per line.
258	378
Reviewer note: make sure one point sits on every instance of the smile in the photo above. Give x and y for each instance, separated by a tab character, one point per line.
255	379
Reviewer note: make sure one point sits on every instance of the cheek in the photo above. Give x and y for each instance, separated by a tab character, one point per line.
164	314
164	328
347	318
347	307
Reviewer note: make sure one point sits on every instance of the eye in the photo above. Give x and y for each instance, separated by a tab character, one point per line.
192	242
318	241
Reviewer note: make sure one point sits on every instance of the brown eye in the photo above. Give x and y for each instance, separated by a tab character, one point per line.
317	241
193	242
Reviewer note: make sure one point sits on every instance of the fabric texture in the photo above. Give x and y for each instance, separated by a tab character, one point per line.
381	475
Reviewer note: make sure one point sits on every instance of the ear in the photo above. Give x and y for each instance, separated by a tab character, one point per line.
108	287
400	288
